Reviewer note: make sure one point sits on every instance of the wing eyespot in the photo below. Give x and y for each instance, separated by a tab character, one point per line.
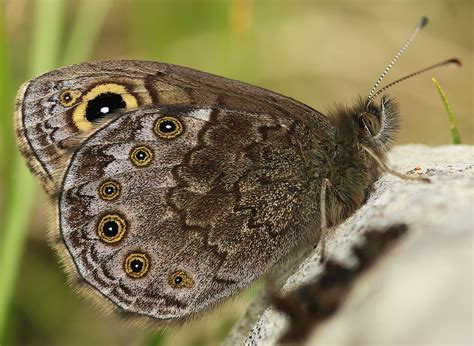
136	265
100	101
168	127
180	279
69	98
141	156
109	190
111	228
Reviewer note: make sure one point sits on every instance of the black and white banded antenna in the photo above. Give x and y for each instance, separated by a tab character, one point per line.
421	24
452	61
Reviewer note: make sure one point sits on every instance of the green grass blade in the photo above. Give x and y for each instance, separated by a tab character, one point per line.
155	339
452	119
46	52
48	19
47	33
18	207
85	29
6	133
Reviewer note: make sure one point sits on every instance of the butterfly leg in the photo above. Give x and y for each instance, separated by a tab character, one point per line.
385	168
383	112
322	206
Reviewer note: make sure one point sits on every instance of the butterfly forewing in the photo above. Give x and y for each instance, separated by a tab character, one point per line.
55	108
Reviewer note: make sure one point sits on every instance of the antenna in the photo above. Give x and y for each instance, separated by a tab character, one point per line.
452	61
420	25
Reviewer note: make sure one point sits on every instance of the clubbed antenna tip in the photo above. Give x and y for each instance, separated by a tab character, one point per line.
449	62
423	22
455	61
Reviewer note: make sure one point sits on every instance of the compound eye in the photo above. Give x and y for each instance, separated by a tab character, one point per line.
372	122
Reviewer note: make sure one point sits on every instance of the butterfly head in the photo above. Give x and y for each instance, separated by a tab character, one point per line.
364	133
374	126
377	125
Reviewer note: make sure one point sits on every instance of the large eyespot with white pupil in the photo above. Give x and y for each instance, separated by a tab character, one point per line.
168	127
141	156
69	98
109	190
136	265
101	101
180	279
111	228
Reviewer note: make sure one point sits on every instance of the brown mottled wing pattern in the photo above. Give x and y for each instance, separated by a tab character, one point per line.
210	208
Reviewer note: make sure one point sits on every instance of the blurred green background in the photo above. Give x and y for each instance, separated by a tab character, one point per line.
319	52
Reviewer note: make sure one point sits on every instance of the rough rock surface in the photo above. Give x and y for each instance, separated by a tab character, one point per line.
418	292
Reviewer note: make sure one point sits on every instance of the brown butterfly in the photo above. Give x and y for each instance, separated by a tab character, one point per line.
175	188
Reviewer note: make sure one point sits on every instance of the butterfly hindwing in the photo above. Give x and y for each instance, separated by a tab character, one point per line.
187	191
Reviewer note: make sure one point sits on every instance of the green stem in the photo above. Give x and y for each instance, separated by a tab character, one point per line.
456	137
19	204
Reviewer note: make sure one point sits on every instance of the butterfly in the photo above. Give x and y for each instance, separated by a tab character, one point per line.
175	188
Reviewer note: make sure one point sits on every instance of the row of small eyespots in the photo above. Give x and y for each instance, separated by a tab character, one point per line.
166	127
141	156
112	228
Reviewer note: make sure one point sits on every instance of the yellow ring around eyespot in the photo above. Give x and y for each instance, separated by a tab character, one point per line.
109	183
175	133
79	114
122	226
74	94
186	281
146	161
140	257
